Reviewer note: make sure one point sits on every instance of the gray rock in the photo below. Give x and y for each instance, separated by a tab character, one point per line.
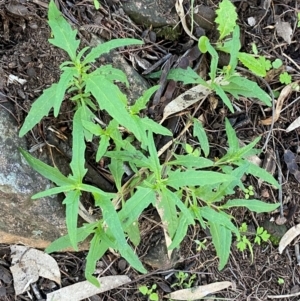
22	220
152	13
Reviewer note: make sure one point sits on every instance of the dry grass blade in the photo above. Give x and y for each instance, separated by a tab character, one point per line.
181	14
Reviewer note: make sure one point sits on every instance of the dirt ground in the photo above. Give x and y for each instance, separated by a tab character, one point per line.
26	53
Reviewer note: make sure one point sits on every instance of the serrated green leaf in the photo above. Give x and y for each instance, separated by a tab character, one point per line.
86	115
185	211
108	98
153	156
63	84
236	46
179	178
53	191
135	205
232	139
227	188
95	190
149	124
141	102
98	247
117	170
285	78
112	74
253	205
190	161
221	238
40	108
145	124
262	174
47	171
214	60
64	241
107	47
133	232
219	91
226	18
245	87
252	63
167	207
180	233
135	157
111	218
64	36
187	76
199	132
72	207
95	129
102	148
216	217
78	151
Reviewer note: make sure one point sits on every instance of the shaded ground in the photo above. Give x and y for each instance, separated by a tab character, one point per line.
25	52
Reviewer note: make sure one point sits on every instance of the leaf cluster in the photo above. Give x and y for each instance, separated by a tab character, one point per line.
189	188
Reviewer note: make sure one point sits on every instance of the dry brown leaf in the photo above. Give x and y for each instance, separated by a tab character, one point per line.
288	237
284	94
85	289
30	264
198	292
185	100
284	29
181	14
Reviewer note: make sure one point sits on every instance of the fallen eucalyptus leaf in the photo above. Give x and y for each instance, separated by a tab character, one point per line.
30	264
198	292
85	289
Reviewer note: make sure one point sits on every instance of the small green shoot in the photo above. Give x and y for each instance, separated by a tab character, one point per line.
201	244
243	242
249	192
261	235
285	78
277	63
96	4
280	281
298	18
184	280
150	292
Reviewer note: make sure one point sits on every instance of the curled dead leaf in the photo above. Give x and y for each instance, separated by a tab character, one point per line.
288	237
284	94
181	14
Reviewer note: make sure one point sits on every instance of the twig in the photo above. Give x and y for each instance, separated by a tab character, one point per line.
280	182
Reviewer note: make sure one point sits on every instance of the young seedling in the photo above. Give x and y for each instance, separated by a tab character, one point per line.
150	292
244	243
249	192
184	280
